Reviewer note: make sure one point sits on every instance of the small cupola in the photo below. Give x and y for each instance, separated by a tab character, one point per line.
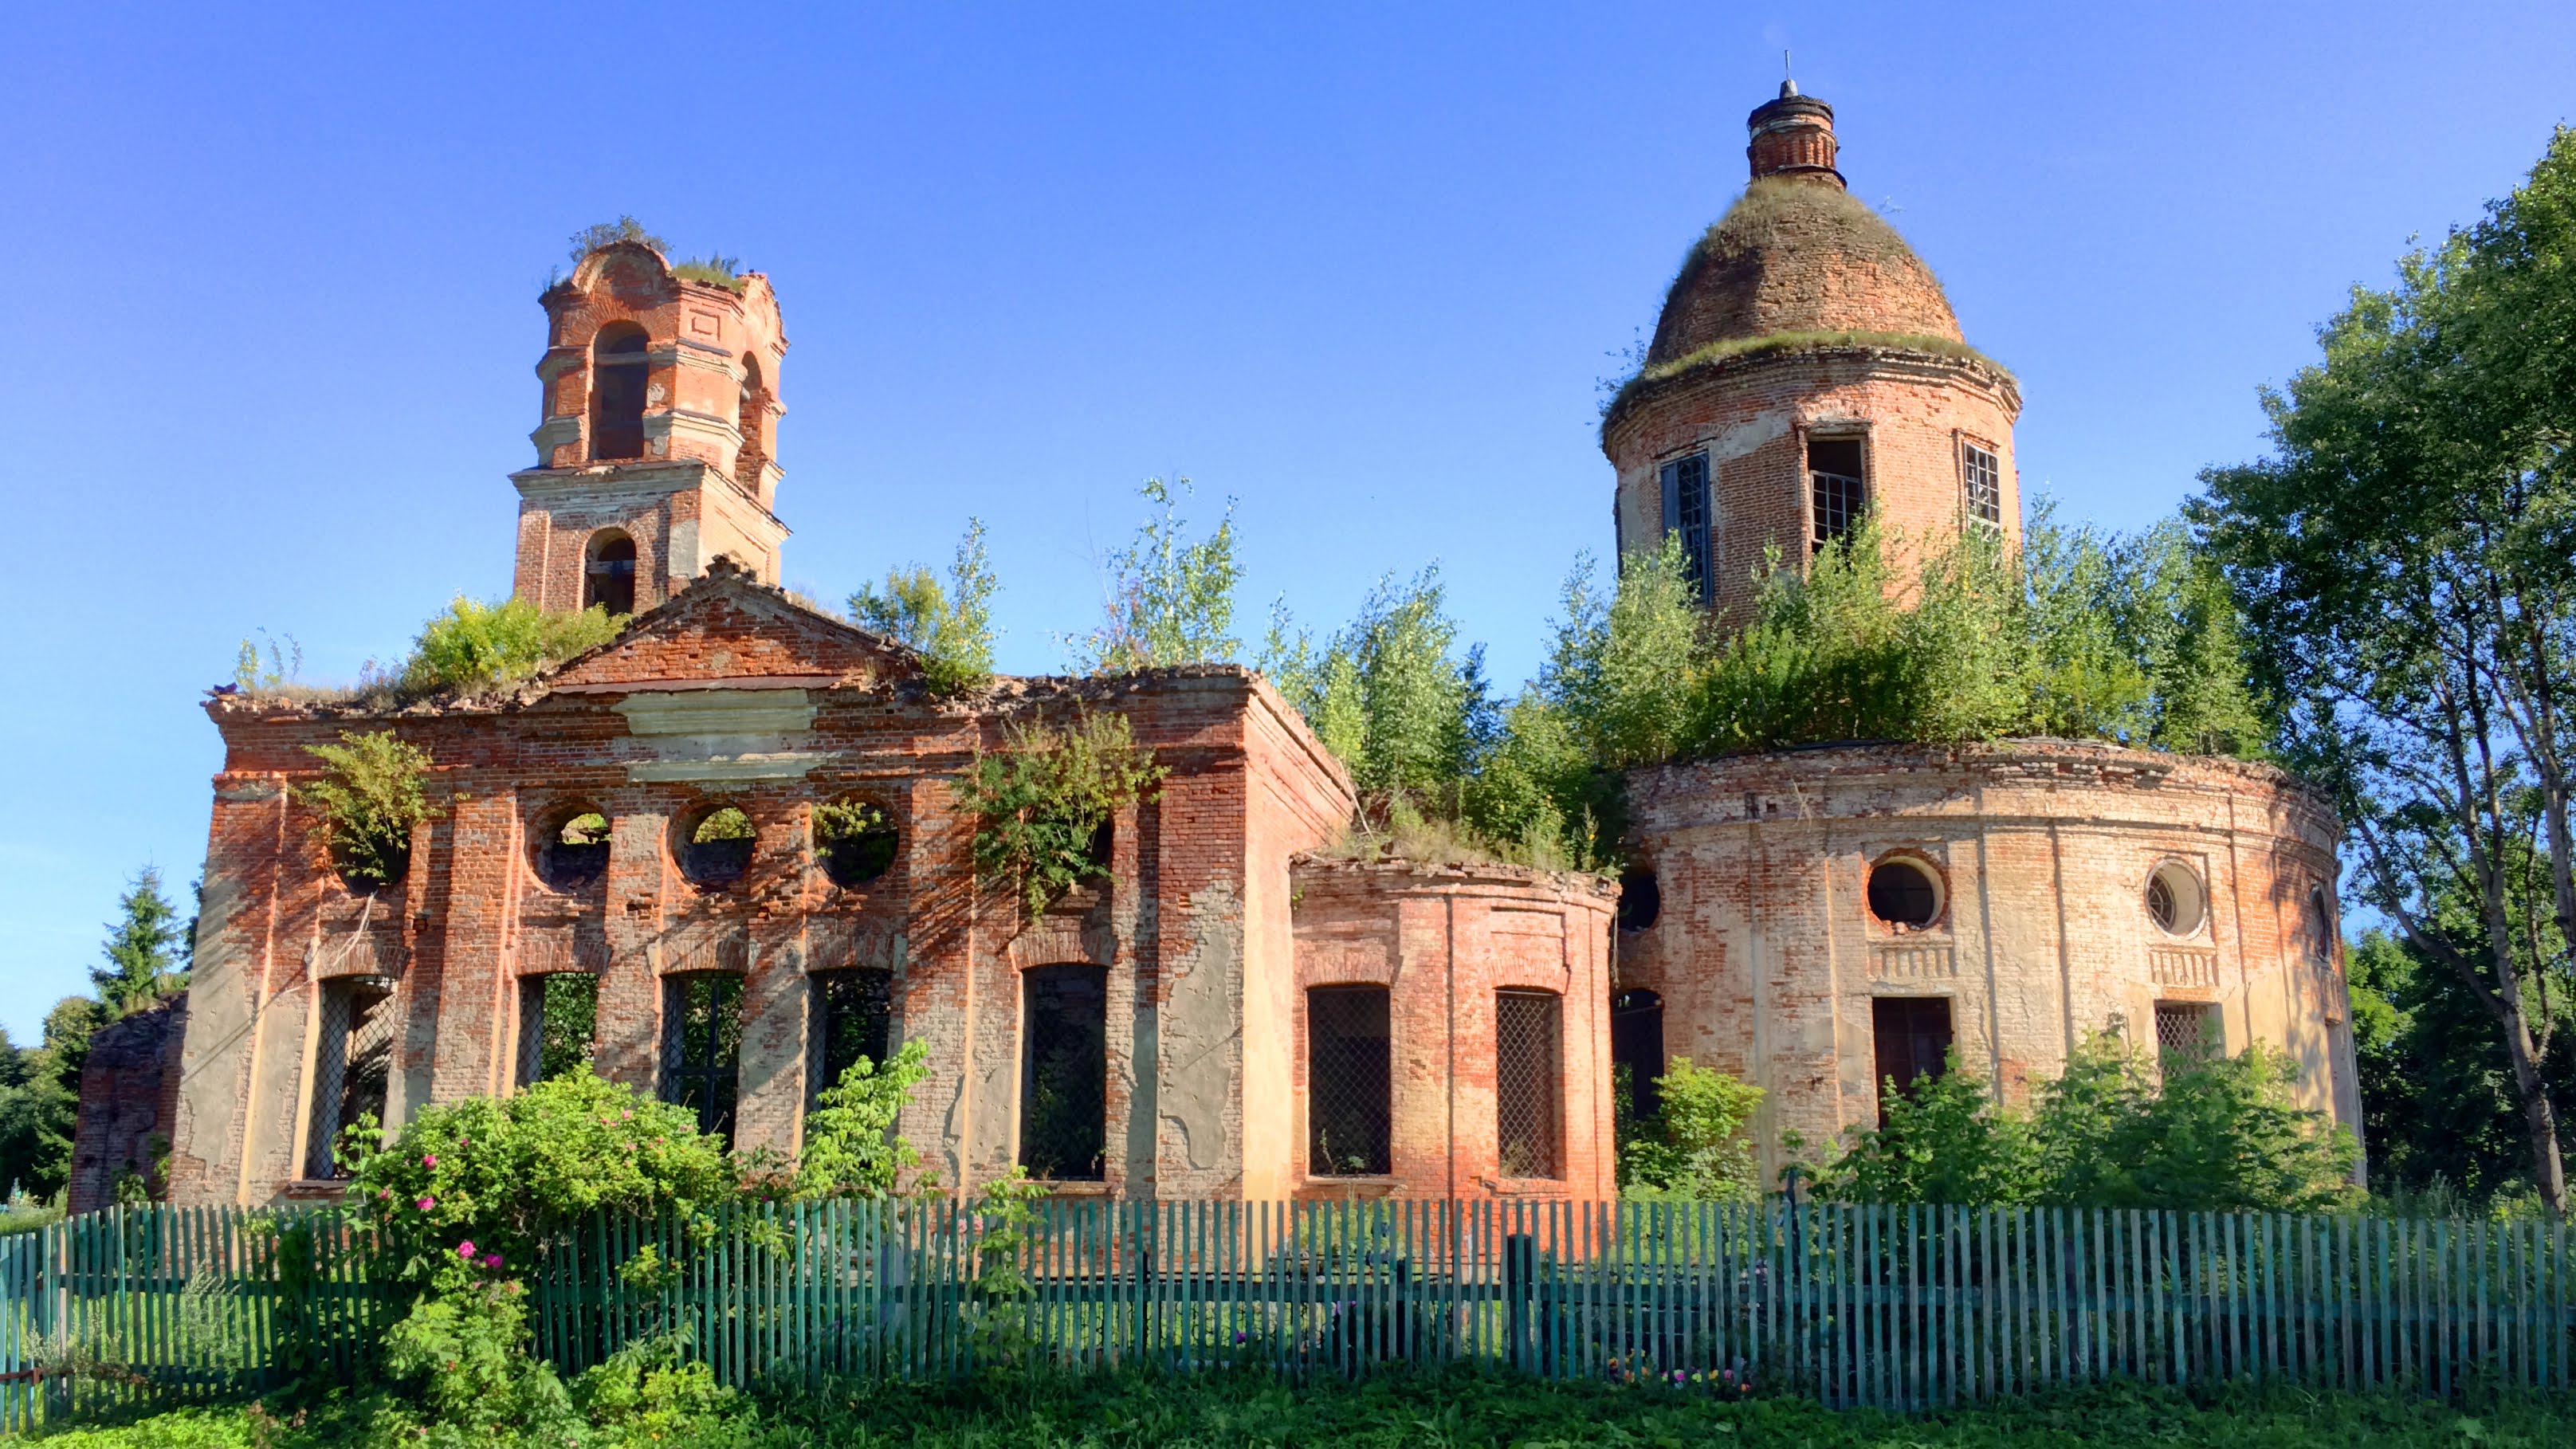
1792	135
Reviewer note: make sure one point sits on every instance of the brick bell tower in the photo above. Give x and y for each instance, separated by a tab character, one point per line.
658	446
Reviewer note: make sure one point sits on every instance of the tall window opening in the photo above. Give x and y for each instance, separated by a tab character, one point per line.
1064	1076
1840	490
2187	1033
702	1047
853	1018
1981	476
1686	512
350	1066
2316	922
1912	1037
751	417
558	1018
1527	1064
1349	1082
617	376
1637	1050
608	573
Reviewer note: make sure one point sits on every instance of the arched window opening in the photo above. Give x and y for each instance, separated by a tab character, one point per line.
572	852
1637	1055
702	1047
617	377
1064	1075
1641	900
1911	1035
1839	490
1904	894
2175	900
1528	1115
2319	925
855	840
558	1019
1349	1082
751	419
352	1055
715	845
853	1018
608	574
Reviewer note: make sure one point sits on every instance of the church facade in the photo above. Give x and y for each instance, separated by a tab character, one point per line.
1230	1007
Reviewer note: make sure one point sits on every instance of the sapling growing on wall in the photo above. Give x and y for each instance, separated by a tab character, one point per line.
1042	800
370	796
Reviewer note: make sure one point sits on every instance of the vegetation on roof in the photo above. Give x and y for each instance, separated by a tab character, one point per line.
714	268
1728	347
1767	204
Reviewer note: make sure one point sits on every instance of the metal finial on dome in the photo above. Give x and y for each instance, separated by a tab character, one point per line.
1788	78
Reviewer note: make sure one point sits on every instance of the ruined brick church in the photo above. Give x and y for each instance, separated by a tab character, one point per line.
1229	1008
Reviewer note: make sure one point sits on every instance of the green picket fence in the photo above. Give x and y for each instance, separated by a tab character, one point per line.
1898	1307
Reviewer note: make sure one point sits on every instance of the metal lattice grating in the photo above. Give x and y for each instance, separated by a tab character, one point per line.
702	1047
2186	1032
352	1056
1349	1121
1526	1064
1984	477
853	1018
1064	1079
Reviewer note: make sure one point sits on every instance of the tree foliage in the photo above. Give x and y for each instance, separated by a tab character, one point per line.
851	1149
2407	560
951	625
1168	600
370	796
476	647
147	948
1041	801
1698	1147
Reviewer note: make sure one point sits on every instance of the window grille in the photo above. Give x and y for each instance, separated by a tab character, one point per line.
1064	1076
1983	476
351	1059
1834	475
1686	512
557	1016
702	1047
1526	1067
2186	1032
853	1017
1349	1077
1912	1036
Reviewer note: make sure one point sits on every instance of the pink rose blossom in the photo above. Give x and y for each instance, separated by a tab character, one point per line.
465	1250
425	1204
491	1260
429	1160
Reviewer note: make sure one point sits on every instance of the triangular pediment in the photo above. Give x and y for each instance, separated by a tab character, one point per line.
727	630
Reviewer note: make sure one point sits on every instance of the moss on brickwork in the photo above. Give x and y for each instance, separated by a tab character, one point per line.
1784	342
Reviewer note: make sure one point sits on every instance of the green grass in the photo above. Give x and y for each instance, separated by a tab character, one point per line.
1785	342
1452	1410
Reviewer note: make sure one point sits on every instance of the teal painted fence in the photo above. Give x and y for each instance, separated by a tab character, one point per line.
1890	1306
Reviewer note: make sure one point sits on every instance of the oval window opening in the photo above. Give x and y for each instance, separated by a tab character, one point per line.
2175	901
856	841
716	849
574	853
1641	900
1902	893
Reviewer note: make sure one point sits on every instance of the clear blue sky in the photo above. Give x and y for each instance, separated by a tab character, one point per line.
274	306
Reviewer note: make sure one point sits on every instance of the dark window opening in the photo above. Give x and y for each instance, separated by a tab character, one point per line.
575	853
1064	1077
2187	1034
1349	1082
751	415
1102	848
1687	511
1912	1037
1641	900
1902	893
715	847
617	378
351	1065
1527	1063
853	1018
558	1017
1840	490
1637	1050
1982	475
856	841
2318	922
702	1047
608	579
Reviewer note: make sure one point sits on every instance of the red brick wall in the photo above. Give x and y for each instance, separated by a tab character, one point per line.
129	1102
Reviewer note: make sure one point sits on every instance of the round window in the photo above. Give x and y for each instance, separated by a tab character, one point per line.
1904	893
1641	901
2175	901
856	841
573	852
715	846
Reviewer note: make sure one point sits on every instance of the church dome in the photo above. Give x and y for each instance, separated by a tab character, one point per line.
1798	258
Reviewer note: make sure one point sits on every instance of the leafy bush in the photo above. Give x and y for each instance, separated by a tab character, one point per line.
1169	601
649	1393
367	802
507	1175
1696	1148
603	233
1943	1141
851	1149
1040	802
477	647
952	627
463	1351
